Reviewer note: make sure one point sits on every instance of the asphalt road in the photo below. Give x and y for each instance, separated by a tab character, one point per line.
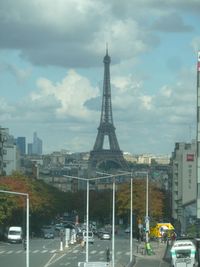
46	253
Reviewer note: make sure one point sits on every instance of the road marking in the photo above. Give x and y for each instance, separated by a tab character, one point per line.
93	252
35	251
101	252
3	251
49	262
44	251
53	251
75	251
19	251
9	252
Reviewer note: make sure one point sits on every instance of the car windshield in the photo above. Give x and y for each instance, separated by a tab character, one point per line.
12	232
183	253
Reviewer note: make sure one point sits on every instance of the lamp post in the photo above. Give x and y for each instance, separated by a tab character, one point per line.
131	216
147	208
27	220
87	205
113	213
147	204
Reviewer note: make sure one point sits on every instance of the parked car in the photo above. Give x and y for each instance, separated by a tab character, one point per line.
105	236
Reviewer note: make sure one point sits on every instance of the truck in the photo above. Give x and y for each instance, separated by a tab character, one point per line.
159	229
15	234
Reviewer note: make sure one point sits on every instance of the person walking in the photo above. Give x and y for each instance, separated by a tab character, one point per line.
82	244
108	254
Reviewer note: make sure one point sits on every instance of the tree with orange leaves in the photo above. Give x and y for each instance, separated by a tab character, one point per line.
156	199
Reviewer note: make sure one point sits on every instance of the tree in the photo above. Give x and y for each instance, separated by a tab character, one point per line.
156	203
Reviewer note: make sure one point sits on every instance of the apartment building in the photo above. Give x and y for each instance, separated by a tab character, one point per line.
183	183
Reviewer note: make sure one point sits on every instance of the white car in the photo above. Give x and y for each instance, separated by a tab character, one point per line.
90	237
105	236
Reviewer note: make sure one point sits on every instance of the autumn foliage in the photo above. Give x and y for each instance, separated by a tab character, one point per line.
45	201
156	199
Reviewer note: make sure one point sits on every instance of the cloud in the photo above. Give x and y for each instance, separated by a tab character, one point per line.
20	74
171	23
49	34
64	100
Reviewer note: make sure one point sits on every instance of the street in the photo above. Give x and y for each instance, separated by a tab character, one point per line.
46	252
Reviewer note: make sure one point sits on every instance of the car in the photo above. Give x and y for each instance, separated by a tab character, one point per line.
48	234
127	230
105	236
90	237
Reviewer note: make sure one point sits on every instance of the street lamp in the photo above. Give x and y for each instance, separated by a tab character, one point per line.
87	204
113	213
147	204
131	216
27	220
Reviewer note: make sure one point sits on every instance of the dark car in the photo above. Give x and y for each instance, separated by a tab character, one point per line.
48	234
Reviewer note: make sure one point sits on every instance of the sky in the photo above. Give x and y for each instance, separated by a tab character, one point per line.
51	71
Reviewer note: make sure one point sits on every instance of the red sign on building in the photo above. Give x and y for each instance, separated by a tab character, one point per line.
190	157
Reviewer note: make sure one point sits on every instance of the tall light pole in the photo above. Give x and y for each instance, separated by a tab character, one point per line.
131	216
113	208
147	208
87	211
87	205
27	220
131	221
113	226
147	204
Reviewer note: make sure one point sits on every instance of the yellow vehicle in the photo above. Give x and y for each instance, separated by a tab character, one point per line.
160	229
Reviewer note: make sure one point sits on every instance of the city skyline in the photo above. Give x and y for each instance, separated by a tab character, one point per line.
51	71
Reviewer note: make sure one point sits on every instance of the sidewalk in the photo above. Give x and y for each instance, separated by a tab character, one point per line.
159	250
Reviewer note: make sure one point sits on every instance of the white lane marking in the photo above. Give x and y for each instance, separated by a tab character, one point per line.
44	251
35	251
49	262
3	251
53	251
75	251
9	252
19	251
101	252
93	252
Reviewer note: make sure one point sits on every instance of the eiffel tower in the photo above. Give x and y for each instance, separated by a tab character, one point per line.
99	156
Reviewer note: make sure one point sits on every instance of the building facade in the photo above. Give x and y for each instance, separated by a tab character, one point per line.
183	183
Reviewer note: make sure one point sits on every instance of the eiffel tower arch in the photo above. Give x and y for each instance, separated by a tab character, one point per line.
100	156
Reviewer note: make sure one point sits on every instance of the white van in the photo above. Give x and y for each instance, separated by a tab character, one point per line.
183	253
15	234
90	237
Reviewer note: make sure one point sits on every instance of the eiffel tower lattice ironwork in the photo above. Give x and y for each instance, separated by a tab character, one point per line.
106	128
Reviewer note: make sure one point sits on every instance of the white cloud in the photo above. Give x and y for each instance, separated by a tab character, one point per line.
72	93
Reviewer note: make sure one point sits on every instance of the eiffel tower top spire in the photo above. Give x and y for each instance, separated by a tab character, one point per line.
106	108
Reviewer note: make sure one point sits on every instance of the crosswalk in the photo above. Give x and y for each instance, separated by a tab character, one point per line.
7	252
52	251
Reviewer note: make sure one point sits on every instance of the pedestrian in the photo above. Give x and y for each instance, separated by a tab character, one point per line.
108	254
82	244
